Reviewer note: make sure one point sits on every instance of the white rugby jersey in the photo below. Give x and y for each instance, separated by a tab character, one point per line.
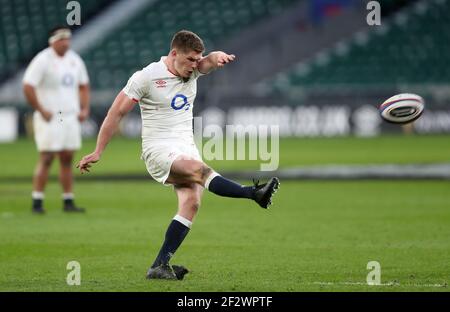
57	80
165	100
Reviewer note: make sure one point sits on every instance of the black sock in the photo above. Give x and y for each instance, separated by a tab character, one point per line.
37	203
176	232
224	187
68	202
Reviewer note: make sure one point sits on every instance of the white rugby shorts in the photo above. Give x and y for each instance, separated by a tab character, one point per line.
62	132
159	155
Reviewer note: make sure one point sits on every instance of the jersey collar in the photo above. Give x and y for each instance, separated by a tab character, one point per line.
163	58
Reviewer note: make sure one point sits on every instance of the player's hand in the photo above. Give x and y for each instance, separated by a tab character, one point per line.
86	161
223	58
83	115
46	115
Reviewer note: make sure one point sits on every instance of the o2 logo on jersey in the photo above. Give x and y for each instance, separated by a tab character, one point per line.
68	80
176	105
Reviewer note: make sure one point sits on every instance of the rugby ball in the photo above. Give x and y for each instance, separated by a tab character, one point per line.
402	108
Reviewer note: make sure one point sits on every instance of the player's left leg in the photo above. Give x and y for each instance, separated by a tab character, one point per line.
66	180
195	171
189	198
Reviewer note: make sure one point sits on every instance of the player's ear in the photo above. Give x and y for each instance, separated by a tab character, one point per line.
173	52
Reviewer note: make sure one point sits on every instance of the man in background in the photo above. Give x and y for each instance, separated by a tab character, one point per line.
56	85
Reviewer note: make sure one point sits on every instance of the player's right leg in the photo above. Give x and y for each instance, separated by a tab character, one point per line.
187	171
40	178
189	197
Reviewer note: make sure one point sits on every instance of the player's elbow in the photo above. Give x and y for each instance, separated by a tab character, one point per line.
85	88
27	88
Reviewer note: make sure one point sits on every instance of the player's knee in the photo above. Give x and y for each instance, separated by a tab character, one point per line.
201	172
46	160
66	163
66	159
196	171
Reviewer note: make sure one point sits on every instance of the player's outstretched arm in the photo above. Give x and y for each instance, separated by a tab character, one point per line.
214	60
120	107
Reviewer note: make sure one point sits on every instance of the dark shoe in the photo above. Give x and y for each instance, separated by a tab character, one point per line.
38	210
37	206
180	271
164	271
73	208
263	193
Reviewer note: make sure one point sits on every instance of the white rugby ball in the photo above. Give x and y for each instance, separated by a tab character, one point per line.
402	108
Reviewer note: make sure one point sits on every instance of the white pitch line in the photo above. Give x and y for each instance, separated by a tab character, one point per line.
382	284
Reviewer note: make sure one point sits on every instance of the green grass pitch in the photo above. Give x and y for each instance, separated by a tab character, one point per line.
318	236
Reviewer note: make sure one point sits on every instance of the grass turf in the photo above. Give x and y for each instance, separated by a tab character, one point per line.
123	155
318	236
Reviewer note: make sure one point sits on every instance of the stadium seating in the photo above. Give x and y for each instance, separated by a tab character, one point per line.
389	6
25	25
410	48
147	36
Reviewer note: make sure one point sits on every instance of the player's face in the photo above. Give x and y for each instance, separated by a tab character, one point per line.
61	46
186	62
